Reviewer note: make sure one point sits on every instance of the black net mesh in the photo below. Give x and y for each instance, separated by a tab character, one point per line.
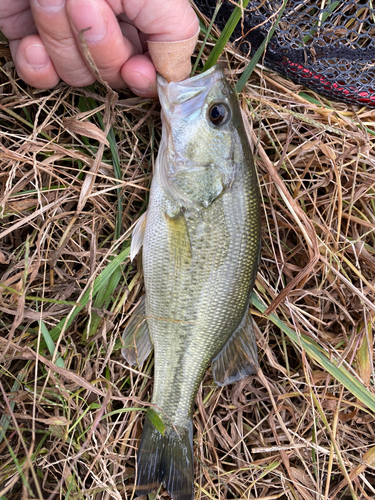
329	46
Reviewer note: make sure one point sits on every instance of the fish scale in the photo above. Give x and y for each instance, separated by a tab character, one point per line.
200	257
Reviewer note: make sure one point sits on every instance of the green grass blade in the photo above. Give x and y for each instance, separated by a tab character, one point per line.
90	104
103	299
225	35
156	420
258	54
25	122
6	419
324	17
338	372
99	282
107	292
17	463
217	8
50	344
38	299
118	174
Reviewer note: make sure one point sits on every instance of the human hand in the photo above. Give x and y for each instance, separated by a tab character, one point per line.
45	46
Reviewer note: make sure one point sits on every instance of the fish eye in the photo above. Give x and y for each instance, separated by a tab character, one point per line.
219	114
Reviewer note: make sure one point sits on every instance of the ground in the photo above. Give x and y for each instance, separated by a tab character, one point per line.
76	167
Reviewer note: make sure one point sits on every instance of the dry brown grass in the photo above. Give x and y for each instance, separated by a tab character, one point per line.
291	432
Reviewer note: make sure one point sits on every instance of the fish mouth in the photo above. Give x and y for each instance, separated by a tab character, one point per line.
217	68
175	93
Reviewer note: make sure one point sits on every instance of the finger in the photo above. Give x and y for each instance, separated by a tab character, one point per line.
131	33
16	24
56	33
162	20
11	8
33	63
140	75
108	47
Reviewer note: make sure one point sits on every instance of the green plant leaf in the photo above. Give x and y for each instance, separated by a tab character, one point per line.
207	34
225	35
325	15
6	418
156	420
99	282
50	344
314	351
258	54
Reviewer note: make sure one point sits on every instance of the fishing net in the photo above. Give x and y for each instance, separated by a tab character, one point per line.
328	46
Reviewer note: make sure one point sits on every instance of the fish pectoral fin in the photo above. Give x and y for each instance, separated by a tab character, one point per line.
239	357
178	240
136	336
138	236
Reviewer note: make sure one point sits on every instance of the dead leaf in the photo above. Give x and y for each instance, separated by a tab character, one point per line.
369	457
3	259
86	129
328	151
365	354
26	204
309	145
303	478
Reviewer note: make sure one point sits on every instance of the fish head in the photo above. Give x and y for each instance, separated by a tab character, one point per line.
200	134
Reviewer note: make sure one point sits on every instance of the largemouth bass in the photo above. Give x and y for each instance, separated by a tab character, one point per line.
201	246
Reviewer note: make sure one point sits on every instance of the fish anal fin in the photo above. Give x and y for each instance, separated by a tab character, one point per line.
238	358
166	459
138	236
136	337
178	240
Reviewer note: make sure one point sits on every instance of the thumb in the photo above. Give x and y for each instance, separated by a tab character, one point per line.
173	59
165	22
173	28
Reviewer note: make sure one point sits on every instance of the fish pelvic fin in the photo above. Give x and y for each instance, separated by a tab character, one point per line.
166	459
138	235
136	337
239	357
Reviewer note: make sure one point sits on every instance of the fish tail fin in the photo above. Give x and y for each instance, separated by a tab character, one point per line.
166	459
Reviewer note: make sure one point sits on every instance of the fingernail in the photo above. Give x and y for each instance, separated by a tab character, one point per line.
87	14
36	56
141	85
51	5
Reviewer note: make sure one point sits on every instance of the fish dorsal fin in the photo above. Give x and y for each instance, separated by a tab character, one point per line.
178	240
136	336
138	235
238	358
